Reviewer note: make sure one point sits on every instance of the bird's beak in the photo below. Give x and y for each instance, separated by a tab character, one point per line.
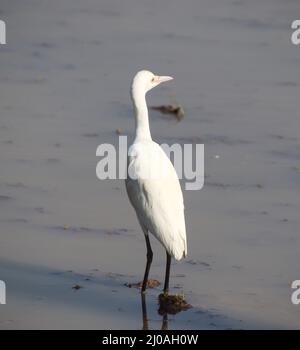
164	78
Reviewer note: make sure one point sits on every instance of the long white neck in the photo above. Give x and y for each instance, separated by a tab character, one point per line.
142	129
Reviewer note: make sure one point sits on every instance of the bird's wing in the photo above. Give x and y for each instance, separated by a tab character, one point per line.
158	200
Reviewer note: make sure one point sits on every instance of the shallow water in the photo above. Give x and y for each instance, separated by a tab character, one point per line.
64	87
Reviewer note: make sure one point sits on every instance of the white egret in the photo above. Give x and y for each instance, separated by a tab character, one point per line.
156	198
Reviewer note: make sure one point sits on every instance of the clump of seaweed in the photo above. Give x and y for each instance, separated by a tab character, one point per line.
151	283
172	304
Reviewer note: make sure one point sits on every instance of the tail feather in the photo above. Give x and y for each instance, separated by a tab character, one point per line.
178	249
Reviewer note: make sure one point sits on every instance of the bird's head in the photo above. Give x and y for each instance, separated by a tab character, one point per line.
145	80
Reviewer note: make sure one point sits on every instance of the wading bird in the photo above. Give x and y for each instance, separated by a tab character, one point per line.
152	184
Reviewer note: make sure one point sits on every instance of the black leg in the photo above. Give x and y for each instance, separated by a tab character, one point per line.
149	261
164	326
168	265
144	310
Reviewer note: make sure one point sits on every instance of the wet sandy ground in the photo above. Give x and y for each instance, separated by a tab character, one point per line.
64	89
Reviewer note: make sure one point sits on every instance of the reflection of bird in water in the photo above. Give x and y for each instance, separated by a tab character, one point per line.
164	325
168	304
152	183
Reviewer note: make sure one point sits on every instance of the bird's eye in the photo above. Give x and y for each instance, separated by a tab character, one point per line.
152	80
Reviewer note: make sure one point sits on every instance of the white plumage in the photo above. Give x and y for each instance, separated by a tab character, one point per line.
152	183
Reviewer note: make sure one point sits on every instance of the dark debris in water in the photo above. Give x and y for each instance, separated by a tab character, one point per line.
174	109
77	287
16	185
234	186
83	229
198	262
73	229
150	284
91	135
218	139
172	304
208	139
17	220
180	275
117	231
